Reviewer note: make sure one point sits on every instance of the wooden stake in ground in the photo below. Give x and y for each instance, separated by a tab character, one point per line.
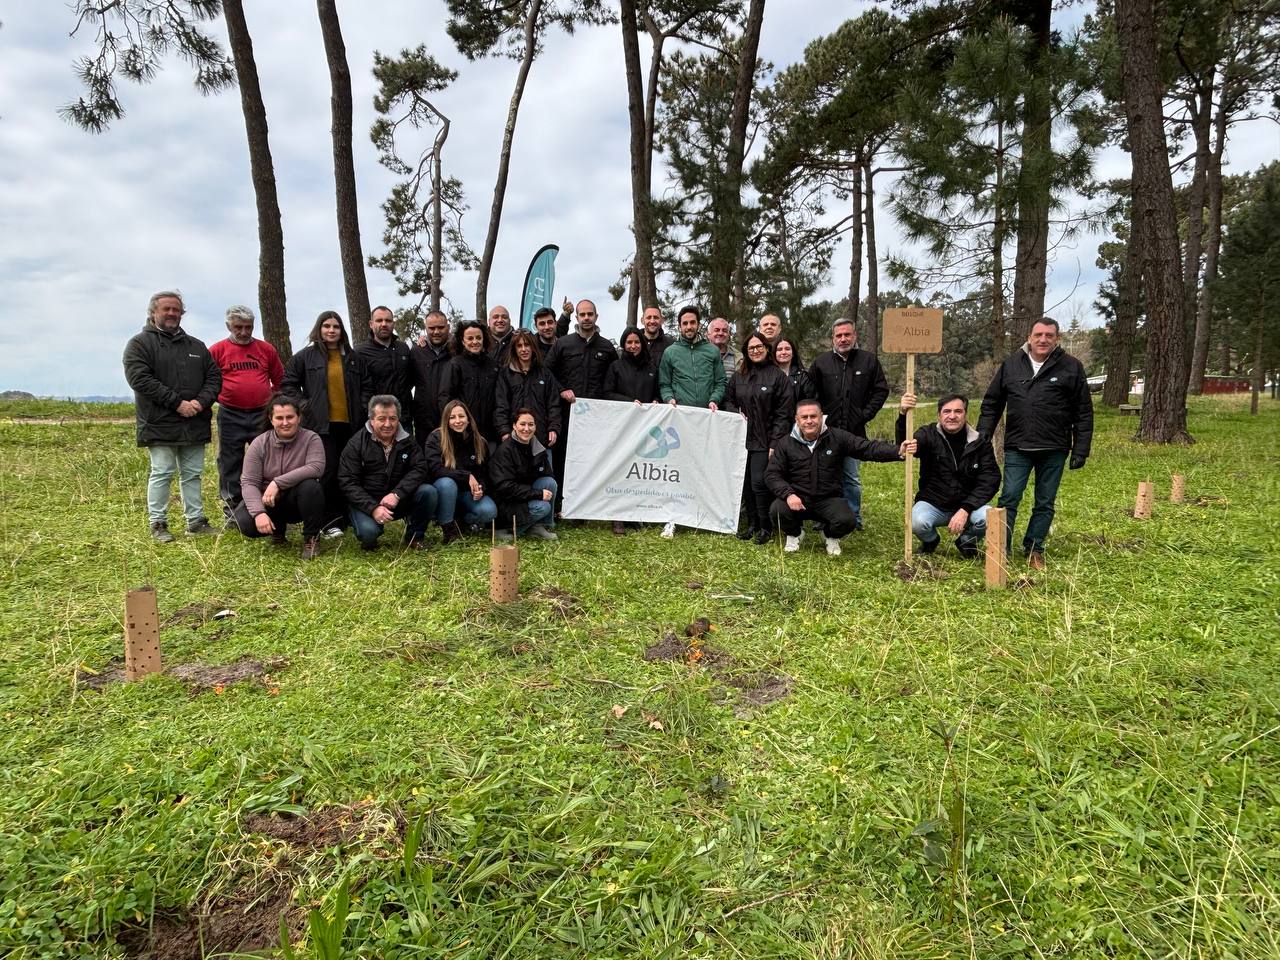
141	633
997	551
1178	491
910	330
1145	500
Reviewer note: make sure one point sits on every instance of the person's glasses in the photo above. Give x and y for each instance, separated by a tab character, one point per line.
757	348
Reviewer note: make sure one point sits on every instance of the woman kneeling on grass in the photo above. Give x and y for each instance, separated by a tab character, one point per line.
281	479
520	476
456	458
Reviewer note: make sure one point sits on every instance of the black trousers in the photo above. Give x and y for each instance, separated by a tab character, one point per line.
558	454
236	430
832	514
301	504
755	495
335	504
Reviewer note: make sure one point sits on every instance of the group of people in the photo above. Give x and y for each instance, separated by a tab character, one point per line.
467	428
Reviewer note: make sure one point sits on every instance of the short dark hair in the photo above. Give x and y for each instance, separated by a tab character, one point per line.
690	308
463	327
543	312
1048	322
381	307
947	398
808	403
283	400
523	410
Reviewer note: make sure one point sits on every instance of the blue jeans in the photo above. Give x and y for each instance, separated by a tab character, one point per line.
475	513
187	461
851	486
1018	465
419	510
926	519
542	511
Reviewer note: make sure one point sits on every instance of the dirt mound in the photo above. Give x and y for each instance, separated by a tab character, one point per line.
319	829
237	924
560	601
757	689
196	614
923	570
198	676
761	689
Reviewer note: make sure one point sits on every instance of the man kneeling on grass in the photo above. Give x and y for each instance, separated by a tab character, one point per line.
383	475
958	476
806	471
280	479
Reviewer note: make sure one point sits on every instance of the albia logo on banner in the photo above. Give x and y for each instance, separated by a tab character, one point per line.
655	445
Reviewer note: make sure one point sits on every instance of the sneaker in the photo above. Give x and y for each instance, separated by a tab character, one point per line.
762	537
1035	560
331	533
928	546
619	528
449	533
414	542
668	531
160	531
793	543
310	548
503	536
832	545
200	527
746	533
539	532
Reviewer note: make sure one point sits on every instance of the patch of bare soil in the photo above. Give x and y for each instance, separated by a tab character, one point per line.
921	570
693	585
320	829
761	689
238	924
198	676
560	601
195	614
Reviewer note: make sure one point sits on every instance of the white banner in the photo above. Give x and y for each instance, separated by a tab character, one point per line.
654	464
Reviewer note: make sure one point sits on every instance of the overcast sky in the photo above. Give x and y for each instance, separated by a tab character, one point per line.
93	224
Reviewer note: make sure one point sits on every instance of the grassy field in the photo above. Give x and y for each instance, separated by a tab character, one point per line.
848	765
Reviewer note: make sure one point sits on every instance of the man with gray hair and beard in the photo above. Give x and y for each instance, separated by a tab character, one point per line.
251	374
175	383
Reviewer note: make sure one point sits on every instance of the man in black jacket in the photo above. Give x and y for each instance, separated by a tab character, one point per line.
1050	418
384	363
655	337
383	475
175	382
500	332
544	324
430	357
958	475
851	386
806	471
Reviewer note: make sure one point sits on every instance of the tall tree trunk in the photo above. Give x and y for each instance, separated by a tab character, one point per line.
726	250
1164	413
344	171
1201	121
1213	244
642	272
1031	256
437	209
1115	390
658	40
1224	348
504	158
271	296
1259	325
872	340
855	240
998	231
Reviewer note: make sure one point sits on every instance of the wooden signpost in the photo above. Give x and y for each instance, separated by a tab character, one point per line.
997	561
911	330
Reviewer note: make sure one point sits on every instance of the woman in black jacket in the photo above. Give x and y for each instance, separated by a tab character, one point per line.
325	377
457	463
786	354
761	392
472	376
630	378
524	383
522	483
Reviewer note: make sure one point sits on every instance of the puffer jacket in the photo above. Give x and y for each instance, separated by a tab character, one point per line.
164	369
763	396
691	373
512	470
817	474
366	473
580	365
473	379
536	390
948	484
631	378
306	376
851	389
1051	410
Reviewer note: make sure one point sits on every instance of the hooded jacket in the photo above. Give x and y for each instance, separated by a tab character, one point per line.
632	378
535	389
464	452
366	473
164	369
512	470
851	389
383	370
580	365
817	474
306	377
473	379
1049	410
691	373
763	395
948	483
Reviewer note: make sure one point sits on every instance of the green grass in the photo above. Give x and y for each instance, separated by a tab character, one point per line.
1115	761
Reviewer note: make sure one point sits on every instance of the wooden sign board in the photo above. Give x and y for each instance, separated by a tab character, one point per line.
911	330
